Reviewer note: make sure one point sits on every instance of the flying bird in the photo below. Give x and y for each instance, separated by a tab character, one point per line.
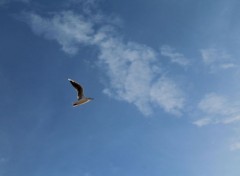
80	95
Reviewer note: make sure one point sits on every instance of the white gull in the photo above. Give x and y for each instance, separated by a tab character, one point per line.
81	98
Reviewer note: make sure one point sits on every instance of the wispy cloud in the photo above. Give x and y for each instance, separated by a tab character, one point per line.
235	146
174	56
166	94
218	109
133	69
136	77
217	59
202	122
67	28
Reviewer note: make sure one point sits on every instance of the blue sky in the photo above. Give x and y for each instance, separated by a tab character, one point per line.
164	76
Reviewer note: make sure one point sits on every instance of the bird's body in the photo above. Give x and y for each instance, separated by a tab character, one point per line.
81	98
81	101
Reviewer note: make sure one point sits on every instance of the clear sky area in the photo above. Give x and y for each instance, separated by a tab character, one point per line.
164	75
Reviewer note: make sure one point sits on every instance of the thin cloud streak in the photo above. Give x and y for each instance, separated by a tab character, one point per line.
133	69
217	59
174	56
202	122
217	109
235	146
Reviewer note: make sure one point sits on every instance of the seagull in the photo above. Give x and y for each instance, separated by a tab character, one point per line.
81	98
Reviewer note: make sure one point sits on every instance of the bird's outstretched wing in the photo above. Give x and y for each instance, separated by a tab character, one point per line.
78	87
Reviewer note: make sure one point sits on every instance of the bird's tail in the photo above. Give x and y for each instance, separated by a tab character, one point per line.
76	103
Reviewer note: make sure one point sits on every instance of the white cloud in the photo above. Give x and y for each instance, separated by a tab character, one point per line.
174	56
133	73
235	146
218	109
67	28
228	65
130	71
167	95
202	122
217	59
132	68
232	119
213	104
213	55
